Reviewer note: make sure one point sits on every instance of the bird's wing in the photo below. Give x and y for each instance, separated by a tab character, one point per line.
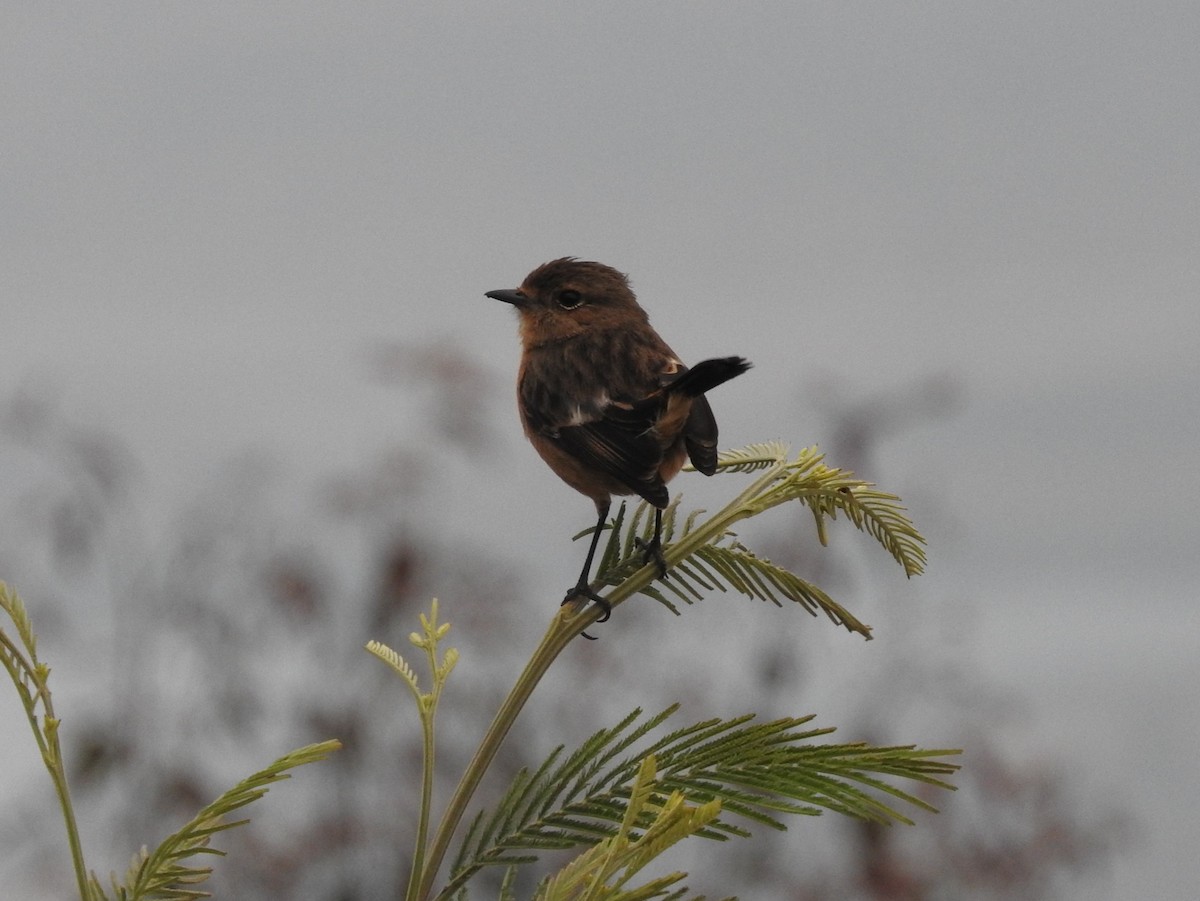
620	442
700	436
612	434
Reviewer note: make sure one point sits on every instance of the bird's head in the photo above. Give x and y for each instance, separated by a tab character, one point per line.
568	297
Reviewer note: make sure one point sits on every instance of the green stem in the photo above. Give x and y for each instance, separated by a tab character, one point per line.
563	627
46	736
426	803
59	776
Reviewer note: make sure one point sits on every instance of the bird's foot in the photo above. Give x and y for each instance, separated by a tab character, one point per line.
583	591
652	553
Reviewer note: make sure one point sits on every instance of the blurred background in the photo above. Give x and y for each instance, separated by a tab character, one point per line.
255	410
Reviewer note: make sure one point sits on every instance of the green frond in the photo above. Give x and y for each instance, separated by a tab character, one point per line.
759	578
567	882
164	874
883	517
640	794
532	799
739	768
11	604
19	659
826	490
705	555
538	798
507	890
31	679
606	870
612	548
752	457
395	661
23	673
676	821
702	554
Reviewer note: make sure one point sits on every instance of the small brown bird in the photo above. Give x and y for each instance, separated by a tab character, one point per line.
605	402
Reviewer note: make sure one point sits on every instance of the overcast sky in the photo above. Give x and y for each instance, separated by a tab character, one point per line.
211	212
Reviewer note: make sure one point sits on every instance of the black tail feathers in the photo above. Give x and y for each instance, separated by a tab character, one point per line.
706	375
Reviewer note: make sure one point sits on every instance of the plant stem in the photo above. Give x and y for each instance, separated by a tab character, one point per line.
59	776
426	803
563	627
45	734
52	755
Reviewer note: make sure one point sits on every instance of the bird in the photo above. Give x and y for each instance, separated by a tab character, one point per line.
604	400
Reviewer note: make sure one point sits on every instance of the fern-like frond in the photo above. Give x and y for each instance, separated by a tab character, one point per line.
622	555
751	771
530	798
705	555
826	490
166	873
20	659
11	603
606	870
700	554
882	516
507	889
737	566
752	457
727	566
398	664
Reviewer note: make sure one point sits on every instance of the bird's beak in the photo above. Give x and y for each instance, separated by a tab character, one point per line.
509	295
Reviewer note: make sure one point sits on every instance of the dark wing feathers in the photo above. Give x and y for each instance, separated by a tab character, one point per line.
621	445
620	440
700	436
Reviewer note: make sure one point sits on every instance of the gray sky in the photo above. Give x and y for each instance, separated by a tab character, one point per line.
209	213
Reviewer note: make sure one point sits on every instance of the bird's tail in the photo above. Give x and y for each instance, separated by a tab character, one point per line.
706	375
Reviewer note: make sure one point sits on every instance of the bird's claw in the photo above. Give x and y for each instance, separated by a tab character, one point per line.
652	553
583	591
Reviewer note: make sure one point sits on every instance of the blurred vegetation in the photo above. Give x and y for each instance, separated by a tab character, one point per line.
204	640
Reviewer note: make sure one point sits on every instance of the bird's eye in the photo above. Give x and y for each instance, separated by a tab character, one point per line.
570	299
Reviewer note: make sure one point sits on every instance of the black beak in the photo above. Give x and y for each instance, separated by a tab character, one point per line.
509	295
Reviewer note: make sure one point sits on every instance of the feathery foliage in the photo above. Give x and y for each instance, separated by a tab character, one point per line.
770	768
649	826
751	771
705	554
440	667
630	791
31	678
165	872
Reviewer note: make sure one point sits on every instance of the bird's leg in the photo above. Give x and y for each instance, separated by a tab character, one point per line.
652	549
583	588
